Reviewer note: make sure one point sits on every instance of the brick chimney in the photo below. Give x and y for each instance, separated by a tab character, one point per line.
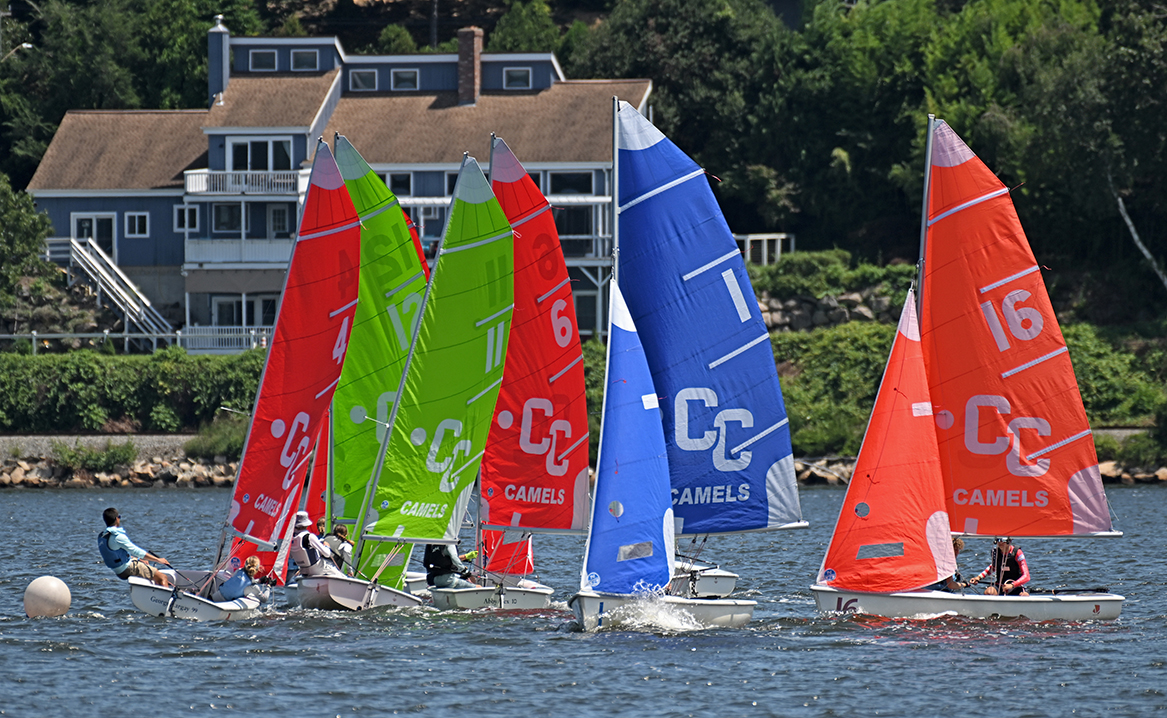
469	65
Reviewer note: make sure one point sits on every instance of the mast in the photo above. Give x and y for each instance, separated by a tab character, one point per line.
924	215
615	188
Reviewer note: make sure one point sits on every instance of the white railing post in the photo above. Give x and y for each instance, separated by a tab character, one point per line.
34	342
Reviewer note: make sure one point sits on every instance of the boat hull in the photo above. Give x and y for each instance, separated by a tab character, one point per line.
528	595
697	581
612	610
341	593
415	581
915	604
158	601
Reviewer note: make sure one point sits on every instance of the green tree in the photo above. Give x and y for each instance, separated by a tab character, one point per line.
526	26
22	238
395	40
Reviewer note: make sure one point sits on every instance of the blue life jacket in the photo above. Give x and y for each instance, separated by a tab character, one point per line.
112	558
234	587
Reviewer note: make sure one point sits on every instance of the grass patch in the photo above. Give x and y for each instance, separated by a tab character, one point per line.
224	436
88	458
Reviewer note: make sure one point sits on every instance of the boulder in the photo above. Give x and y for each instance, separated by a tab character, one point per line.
863	313
851	299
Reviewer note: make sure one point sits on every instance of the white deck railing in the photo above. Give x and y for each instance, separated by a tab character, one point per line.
211	251
215	182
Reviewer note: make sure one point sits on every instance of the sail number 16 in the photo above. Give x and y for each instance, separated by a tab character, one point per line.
1024	323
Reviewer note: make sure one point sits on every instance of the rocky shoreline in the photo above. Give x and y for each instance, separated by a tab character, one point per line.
30	466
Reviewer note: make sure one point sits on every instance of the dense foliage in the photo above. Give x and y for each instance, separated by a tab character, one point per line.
107	458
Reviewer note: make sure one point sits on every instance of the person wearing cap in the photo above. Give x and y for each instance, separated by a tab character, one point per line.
1008	562
312	556
444	567
124	557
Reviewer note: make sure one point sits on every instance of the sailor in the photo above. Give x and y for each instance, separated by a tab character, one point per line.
342	548
243	582
312	556
1008	562
444	567
122	556
952	584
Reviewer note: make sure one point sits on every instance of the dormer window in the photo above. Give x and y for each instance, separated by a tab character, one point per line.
305	60
362	80
404	79
263	60
516	78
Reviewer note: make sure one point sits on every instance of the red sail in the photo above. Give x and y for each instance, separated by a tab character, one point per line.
893	533
535	471
304	360
1016	448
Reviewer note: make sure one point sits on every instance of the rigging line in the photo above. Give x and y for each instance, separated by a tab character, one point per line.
1008	279
652	193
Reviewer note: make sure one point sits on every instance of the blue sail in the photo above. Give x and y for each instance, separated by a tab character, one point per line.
630	541
730	460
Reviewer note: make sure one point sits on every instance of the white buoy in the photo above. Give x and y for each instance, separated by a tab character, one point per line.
47	596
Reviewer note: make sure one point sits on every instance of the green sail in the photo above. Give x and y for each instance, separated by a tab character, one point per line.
447	400
392	286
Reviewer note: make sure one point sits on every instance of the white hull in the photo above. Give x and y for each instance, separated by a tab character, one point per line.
917	604
158	601
341	593
527	595
697	581
615	610
415	581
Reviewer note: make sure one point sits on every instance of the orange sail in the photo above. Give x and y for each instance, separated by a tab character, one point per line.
893	531
1015	446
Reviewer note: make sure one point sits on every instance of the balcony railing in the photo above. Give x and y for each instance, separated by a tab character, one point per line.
212	251
266	183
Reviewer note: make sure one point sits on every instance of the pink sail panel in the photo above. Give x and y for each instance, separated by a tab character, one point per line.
305	357
514	558
892	533
1015	445
535	470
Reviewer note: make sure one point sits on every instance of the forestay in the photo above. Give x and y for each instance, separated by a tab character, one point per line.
1015	446
725	423
630	541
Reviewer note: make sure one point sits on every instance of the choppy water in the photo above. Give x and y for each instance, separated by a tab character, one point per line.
105	658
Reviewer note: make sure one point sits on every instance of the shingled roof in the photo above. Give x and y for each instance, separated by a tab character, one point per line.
266	100
123	150
569	122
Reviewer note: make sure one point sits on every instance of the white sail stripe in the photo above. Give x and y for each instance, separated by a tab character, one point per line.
1060	444
662	188
530	217
482	393
771	430
1008	279
404	284
376	212
709	266
479	243
325	389
563	371
543	298
1035	362
571	448
353	303
327	232
739	350
469	463
496	315
970	203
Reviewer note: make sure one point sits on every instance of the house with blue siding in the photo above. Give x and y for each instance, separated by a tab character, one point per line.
198	208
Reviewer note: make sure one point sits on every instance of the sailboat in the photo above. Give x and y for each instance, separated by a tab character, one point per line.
440	418
731	464
535	471
393	282
628	562
978	428
301	371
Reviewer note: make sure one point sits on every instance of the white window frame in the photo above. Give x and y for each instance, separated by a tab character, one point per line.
130	218
251	60
272	208
245	215
353	73
113	218
233	140
315	60
395	73
186	212
388	177
507	86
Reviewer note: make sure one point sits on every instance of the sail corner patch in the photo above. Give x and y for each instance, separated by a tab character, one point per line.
922	408
650	401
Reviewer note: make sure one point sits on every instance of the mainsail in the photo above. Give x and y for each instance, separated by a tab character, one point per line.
535	471
439	425
892	533
1015	445
725	424
304	361
392	286
630	541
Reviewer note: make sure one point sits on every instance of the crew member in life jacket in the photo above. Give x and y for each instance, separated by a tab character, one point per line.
444	567
312	556
122	556
342	548
1008	562
244	582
